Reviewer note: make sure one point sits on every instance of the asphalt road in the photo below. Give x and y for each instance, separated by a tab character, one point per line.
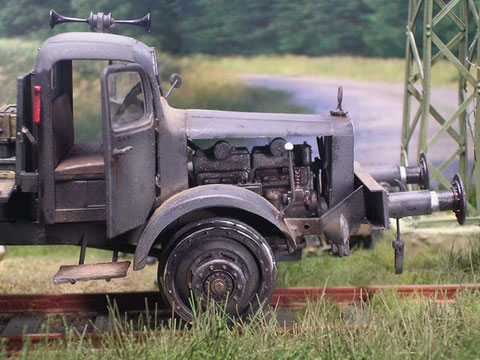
376	111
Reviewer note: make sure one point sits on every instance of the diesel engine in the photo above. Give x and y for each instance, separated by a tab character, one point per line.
285	177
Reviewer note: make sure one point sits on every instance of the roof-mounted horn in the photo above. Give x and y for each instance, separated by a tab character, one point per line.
99	22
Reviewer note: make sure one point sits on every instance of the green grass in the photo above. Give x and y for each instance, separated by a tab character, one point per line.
367	267
388	326
205	86
345	67
423	265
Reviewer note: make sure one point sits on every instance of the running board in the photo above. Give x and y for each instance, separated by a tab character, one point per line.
85	272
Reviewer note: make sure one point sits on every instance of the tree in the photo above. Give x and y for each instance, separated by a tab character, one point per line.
385	31
21	17
226	26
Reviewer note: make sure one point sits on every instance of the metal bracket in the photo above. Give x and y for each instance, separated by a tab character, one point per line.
345	218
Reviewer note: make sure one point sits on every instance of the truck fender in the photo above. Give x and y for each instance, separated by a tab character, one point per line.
203	197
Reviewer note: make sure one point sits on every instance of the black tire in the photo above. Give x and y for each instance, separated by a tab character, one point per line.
217	259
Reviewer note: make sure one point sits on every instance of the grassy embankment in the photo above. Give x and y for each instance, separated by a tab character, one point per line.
345	67
386	328
394	328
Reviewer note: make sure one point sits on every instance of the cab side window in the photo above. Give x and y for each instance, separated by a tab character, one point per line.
126	99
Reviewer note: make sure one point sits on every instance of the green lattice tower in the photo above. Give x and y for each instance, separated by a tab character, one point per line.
459	51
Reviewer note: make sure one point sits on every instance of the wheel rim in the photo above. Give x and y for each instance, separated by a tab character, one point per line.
221	261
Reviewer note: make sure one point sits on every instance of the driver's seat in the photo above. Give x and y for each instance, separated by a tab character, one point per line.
73	161
83	161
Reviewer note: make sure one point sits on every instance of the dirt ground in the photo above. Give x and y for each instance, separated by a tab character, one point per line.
376	109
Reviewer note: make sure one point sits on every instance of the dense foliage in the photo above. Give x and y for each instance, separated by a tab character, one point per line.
309	27
249	27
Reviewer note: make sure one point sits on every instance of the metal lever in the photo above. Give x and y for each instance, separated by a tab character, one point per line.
339	111
399	247
117	152
29	136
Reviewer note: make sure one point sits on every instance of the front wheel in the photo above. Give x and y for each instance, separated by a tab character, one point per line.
221	260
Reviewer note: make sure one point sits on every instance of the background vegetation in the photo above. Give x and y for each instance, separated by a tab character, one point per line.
249	27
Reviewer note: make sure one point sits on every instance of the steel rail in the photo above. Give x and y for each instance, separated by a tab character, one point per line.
298	296
283	297
139	301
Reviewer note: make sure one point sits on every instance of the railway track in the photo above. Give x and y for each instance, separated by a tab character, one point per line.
23	317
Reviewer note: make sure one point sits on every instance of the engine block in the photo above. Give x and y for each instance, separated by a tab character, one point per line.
264	170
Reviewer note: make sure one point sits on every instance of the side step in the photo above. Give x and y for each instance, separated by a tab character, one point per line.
85	272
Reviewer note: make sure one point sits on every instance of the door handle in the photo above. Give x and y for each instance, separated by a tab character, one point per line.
117	152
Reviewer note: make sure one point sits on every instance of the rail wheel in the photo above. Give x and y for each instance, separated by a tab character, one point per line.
221	260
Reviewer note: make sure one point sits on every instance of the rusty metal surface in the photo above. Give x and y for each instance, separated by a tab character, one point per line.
72	303
282	297
289	297
86	272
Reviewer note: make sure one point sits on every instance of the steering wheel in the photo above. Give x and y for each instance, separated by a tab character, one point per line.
131	100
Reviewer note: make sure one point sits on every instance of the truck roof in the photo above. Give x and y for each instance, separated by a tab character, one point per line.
92	46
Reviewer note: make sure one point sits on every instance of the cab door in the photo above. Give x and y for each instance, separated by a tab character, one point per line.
129	143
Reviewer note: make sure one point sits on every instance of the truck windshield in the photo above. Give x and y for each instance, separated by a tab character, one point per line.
126	98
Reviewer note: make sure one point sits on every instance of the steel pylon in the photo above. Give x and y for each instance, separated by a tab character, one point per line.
419	109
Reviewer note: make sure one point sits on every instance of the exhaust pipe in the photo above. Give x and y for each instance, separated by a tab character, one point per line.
424	202
406	174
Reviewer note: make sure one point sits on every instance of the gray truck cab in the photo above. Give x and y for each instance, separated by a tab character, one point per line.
112	179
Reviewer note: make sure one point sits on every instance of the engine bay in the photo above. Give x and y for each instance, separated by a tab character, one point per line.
265	171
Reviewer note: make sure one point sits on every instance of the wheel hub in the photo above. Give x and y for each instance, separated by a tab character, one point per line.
217	278
219	285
